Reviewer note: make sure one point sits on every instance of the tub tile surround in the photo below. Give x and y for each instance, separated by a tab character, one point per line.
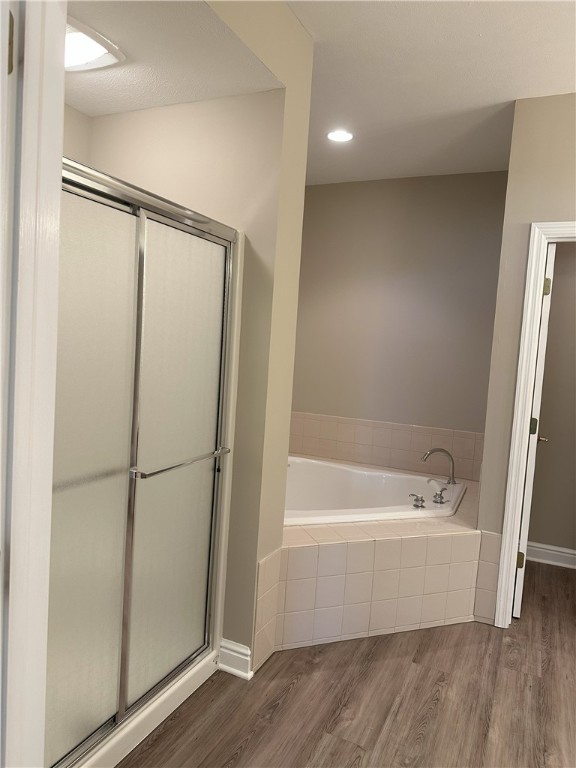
385	444
487	581
354	580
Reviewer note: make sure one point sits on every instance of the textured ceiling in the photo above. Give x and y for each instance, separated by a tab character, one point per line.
176	52
428	87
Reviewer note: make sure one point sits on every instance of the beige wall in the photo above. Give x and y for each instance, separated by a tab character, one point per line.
397	297
553	514
541	187
275	35
77	135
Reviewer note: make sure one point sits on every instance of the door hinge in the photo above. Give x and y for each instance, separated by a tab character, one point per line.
10	43
533	426
520	560
547	286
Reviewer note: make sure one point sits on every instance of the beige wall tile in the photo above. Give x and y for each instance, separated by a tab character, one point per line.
329	591
485	605
329	430
295	444
332	559
434	607
302	562
382	437
401	439
409	611
385	585
420	442
327	623
490	547
323	534
280	605
298	627
465	546
283	564
436	578
413	553
300	595
387	554
463	447
411	582
296	425
279	630
462	575
487	576
355	618
380	456
312	427
358	588
438	550
360	556
383	615
459	603
264	643
363	435
345	433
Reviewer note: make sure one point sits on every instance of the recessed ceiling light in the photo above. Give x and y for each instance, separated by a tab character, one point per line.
86	49
340	135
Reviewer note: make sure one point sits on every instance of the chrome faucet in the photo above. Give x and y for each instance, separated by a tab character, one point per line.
450	480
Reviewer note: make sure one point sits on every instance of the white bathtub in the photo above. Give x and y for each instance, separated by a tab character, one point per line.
326	492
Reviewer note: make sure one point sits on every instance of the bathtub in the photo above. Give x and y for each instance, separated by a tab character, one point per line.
324	492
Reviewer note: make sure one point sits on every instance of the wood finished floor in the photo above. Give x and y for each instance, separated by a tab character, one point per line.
466	695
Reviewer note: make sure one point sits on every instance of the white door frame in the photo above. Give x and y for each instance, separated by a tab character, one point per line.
541	236
35	195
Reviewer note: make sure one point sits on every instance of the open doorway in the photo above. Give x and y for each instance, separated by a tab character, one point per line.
552	529
526	436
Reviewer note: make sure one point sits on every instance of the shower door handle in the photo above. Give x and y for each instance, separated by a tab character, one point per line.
138	474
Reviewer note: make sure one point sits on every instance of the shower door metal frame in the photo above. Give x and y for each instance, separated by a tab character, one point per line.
100	188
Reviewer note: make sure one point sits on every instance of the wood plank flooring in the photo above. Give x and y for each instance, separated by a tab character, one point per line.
462	696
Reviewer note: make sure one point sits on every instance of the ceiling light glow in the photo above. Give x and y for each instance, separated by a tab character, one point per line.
86	49
340	135
81	49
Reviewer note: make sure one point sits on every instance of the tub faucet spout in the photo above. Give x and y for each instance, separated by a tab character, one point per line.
450	480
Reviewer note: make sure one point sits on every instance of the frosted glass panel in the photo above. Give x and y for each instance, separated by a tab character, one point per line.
96	327
85	612
96	324
170	575
181	346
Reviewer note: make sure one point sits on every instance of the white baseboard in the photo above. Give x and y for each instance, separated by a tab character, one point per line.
235	659
126	736
547	553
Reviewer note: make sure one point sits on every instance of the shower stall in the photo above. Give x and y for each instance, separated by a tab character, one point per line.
139	452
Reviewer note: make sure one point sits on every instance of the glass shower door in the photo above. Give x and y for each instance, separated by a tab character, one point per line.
182	311
95	372
141	343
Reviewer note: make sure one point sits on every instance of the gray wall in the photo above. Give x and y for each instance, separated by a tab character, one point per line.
553	514
541	187
397	296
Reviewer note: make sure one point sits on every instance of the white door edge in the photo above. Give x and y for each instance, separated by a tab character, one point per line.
533	438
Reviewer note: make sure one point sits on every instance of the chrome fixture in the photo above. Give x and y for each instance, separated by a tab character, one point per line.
138	474
450	480
542	439
418	500
438	497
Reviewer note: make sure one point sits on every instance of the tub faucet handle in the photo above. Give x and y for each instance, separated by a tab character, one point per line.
418	500
438	497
